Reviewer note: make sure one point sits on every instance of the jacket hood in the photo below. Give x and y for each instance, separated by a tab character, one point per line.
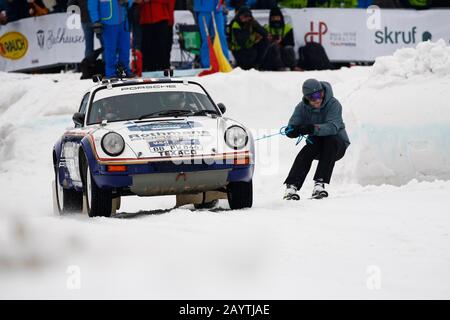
327	97
244	11
276	11
328	92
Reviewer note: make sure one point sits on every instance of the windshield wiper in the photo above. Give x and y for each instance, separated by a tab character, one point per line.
205	112
174	112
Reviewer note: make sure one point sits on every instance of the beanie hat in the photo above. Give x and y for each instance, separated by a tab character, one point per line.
310	86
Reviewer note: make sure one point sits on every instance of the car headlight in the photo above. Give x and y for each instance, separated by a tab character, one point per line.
236	137
113	144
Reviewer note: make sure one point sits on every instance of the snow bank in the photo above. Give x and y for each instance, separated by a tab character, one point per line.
399	128
427	58
397	114
399	125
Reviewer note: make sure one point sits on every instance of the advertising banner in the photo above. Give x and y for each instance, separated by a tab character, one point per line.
346	34
363	35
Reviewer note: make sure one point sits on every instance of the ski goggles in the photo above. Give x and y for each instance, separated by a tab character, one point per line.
314	96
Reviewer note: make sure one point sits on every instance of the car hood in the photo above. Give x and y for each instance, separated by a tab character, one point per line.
165	137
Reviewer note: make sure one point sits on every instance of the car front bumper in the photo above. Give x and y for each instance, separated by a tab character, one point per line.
163	178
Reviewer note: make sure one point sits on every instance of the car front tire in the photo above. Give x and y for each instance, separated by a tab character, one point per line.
98	201
240	194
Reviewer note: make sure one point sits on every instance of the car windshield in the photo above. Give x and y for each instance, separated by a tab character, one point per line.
149	104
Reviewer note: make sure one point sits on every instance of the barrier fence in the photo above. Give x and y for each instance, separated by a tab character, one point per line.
346	34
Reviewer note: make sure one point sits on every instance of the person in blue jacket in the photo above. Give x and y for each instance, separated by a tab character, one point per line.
318	115
203	10
364	3
237	4
109	18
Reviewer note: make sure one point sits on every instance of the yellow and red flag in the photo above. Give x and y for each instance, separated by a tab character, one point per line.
224	64
213	63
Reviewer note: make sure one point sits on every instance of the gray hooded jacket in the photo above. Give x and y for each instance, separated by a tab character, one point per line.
327	118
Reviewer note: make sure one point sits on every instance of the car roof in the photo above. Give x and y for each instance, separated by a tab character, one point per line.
135	81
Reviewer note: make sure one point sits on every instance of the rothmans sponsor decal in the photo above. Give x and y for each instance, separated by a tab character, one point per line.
192	134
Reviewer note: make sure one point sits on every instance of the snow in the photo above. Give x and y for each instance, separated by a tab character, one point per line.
385	226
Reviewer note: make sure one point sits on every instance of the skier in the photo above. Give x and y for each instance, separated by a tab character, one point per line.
318	115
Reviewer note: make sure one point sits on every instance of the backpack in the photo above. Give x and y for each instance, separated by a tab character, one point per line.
312	56
91	65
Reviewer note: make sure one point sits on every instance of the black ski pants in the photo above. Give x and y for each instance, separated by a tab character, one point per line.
252	57
155	46
326	149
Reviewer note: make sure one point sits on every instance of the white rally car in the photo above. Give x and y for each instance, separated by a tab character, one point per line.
151	137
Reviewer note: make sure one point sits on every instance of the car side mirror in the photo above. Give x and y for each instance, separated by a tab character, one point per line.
222	107
78	119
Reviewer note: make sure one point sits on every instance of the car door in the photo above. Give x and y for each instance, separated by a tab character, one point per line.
69	160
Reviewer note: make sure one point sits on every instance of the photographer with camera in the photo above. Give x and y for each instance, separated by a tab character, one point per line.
110	19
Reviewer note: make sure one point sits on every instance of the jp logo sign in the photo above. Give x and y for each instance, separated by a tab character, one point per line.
316	35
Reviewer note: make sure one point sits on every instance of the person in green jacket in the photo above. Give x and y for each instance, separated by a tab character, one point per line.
248	40
417	4
281	35
319	3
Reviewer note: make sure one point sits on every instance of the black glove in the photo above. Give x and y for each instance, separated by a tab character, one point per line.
293	131
97	27
306	129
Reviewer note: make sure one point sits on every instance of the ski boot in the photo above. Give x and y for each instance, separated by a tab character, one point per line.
291	193
319	191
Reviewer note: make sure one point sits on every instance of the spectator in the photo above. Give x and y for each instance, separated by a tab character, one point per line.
281	34
237	4
182	4
86	25
110	19
417	4
136	26
203	10
61	6
265	4
171	8
388	3
294	3
37	8
50	5
16	10
3	18
249	42
154	21
364	3
319	3
441	4
343	3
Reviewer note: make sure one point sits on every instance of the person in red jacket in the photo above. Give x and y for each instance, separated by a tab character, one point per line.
154	19
171	24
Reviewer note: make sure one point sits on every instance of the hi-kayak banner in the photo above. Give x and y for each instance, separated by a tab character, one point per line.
346	34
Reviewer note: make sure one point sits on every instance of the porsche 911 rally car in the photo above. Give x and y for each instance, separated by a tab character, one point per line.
149	137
